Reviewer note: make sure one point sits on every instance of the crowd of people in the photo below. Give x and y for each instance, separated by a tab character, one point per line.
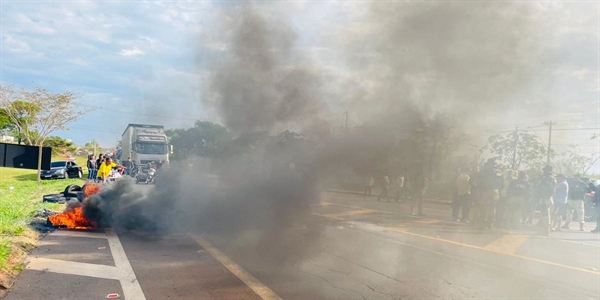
411	186
488	199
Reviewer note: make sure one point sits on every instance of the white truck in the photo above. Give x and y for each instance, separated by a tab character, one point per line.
145	144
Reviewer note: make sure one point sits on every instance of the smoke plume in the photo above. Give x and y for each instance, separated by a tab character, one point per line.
262	83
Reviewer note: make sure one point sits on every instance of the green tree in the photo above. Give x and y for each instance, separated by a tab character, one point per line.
205	139
59	145
524	149
572	161
16	116
44	113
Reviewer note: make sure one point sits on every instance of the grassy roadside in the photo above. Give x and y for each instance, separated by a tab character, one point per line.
20	197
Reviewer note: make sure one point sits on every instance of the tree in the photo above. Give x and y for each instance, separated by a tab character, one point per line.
205	139
59	145
39	113
530	152
572	162
16	116
92	146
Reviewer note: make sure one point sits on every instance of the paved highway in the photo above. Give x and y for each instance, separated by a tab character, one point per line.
364	250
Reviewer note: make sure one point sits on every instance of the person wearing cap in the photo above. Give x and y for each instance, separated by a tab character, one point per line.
518	191
561	194
575	203
543	195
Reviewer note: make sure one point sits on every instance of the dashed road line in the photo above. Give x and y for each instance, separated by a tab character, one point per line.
492	251
508	243
73	268
351	213
258	287
129	283
415	223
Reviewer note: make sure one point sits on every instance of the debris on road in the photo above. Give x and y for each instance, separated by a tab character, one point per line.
44	213
112	296
201	251
102	248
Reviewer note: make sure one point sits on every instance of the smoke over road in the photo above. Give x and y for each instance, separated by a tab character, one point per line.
429	66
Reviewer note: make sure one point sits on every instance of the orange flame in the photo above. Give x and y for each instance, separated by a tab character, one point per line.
74	218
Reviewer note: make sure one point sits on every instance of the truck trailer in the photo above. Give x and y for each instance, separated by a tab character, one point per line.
145	144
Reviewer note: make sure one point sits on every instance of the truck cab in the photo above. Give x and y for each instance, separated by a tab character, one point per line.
145	144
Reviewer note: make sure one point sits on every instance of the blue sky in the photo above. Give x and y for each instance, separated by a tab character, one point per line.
150	59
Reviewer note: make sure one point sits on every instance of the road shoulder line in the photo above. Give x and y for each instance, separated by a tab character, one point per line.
72	268
129	283
258	287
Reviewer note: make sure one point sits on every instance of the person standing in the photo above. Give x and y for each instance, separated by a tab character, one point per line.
543	195
596	202
577	192
91	165
400	187
490	187
561	194
463	195
518	193
99	162
384	183
502	203
128	164
369	185
419	187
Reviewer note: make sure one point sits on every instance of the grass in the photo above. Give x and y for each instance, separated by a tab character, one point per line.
20	198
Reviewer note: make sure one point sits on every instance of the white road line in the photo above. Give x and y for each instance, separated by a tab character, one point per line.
129	283
258	287
73	268
83	234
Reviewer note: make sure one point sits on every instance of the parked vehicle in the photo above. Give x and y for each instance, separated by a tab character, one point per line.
62	170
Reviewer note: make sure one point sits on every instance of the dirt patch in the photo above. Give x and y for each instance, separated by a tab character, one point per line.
20	246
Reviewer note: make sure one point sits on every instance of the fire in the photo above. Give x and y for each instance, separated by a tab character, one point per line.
74	218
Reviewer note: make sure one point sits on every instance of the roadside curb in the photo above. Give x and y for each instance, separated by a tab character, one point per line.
361	194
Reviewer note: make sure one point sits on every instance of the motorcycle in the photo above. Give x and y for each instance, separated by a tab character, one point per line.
145	174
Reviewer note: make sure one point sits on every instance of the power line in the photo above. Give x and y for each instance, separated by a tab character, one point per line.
140	114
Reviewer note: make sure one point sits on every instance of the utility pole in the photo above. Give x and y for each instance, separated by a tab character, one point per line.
515	147
549	123
346	120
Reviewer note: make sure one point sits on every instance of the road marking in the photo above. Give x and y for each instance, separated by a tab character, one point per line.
262	290
323	203
350	213
508	243
491	250
415	223
129	283
73	268
83	234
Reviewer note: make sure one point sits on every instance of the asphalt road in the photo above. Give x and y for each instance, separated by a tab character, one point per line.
363	250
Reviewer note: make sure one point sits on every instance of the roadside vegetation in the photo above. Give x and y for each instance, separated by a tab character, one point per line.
20	199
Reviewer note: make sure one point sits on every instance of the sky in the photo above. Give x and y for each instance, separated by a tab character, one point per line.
148	61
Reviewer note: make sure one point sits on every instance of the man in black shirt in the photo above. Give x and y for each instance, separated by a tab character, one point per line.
577	190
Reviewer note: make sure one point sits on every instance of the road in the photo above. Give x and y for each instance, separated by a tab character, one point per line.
365	250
